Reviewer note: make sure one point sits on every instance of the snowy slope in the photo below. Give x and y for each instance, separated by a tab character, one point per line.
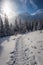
34	41
7	44
24	49
28	50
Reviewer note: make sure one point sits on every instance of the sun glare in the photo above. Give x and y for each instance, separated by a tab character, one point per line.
7	9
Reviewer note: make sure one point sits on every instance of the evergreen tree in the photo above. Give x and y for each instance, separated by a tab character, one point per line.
1	28
16	27
6	26
20	26
11	29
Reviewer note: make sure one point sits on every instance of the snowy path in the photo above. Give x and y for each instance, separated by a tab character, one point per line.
22	52
18	54
21	55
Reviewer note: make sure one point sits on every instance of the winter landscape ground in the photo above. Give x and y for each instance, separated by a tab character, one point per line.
24	49
21	32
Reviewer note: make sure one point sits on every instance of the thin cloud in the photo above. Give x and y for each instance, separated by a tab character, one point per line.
33	4
24	2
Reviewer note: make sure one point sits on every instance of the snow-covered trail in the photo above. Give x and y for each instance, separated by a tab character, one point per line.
21	54
19	51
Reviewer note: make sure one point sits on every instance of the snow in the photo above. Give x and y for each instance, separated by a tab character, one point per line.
7	45
24	49
34	41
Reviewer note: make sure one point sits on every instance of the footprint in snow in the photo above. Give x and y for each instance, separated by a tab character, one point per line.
34	47
38	52
14	39
39	41
32	60
31	52
26	49
11	52
41	48
28	38
11	56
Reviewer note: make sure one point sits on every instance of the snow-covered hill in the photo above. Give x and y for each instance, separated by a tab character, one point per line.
29	50
24	49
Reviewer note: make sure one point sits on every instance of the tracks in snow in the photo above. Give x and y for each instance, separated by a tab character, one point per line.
21	55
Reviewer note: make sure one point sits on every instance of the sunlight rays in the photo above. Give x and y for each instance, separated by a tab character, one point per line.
7	9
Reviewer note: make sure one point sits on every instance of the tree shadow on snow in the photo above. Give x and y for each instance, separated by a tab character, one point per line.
4	39
1	50
1	42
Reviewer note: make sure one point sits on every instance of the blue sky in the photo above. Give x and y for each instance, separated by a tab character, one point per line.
20	6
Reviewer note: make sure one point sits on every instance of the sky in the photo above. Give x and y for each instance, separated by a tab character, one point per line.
20	6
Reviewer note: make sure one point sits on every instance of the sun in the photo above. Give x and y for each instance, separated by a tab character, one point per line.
7	9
